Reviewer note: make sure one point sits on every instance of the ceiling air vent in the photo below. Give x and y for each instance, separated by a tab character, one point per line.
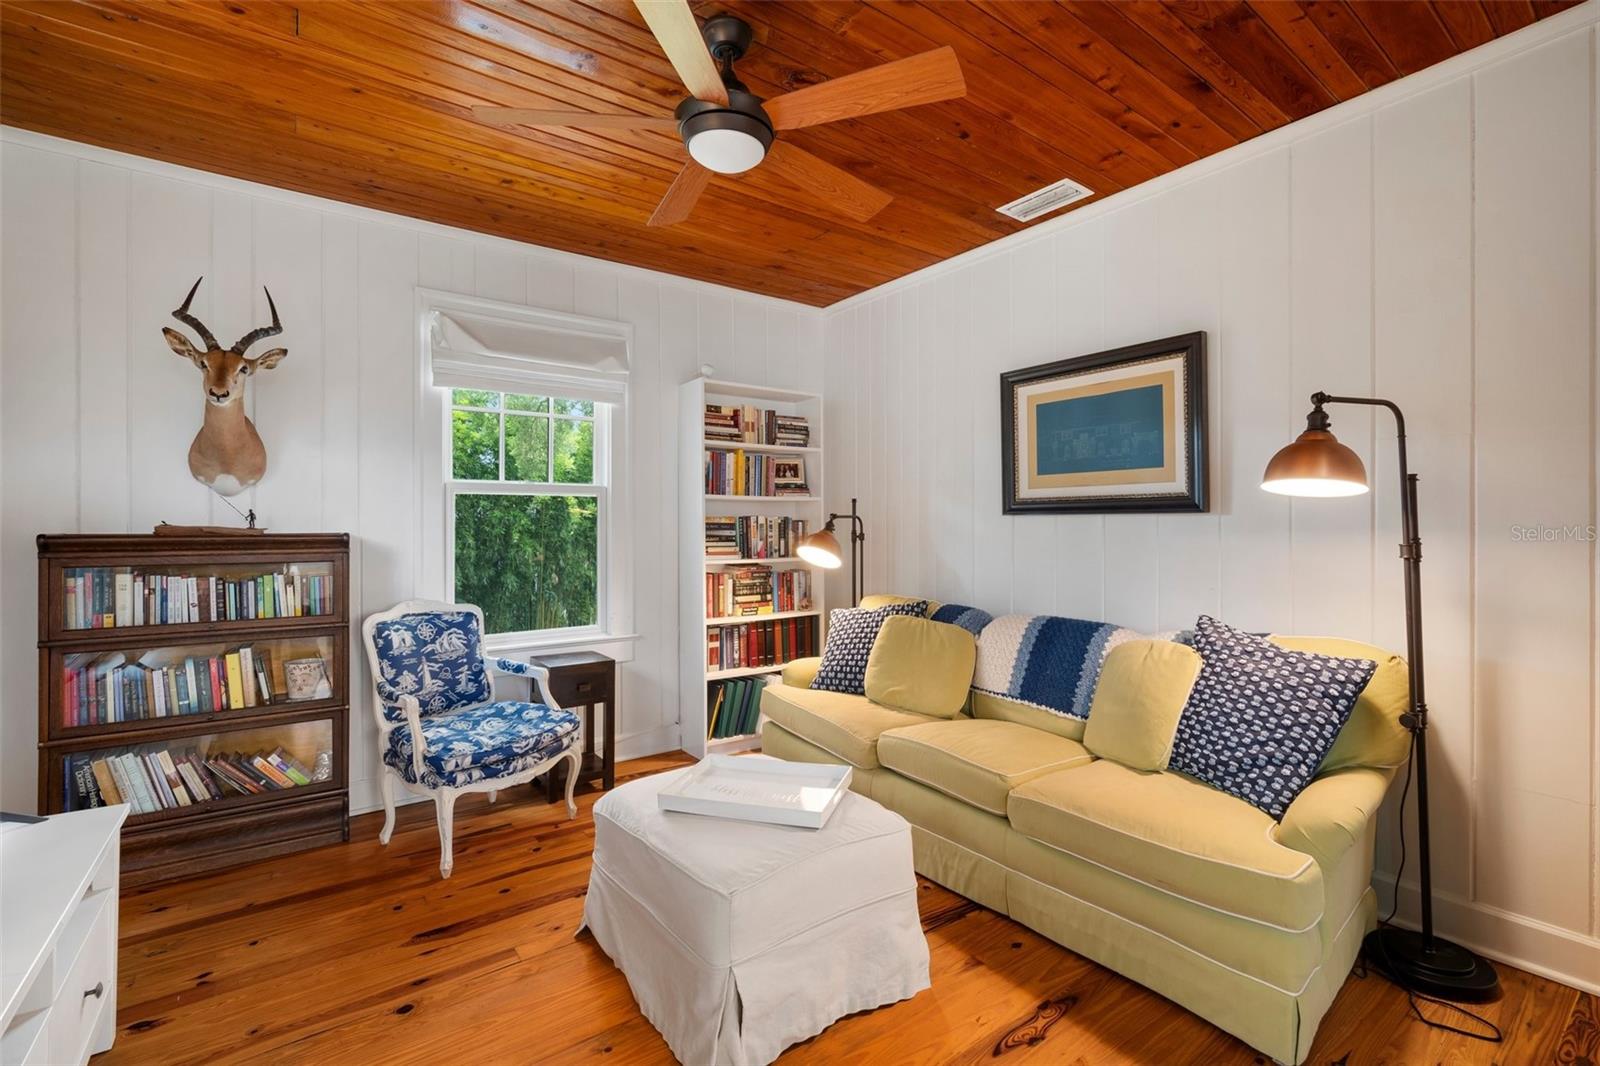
1045	200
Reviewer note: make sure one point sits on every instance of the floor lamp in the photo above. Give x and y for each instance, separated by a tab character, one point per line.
822	549
1316	464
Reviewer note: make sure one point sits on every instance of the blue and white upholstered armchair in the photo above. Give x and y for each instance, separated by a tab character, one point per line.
441	732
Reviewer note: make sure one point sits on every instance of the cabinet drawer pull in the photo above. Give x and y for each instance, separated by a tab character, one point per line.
584	686
97	991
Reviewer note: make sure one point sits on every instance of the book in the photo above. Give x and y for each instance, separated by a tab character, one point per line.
174	782
101	769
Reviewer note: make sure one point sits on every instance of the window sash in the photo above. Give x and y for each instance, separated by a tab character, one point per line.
600	421
599	489
601	495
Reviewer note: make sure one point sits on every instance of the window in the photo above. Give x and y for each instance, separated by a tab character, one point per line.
526	504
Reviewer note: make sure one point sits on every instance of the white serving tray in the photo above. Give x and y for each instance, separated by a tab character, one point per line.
756	789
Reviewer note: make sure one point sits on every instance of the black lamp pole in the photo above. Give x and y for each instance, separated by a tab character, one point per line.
1419	961
858	537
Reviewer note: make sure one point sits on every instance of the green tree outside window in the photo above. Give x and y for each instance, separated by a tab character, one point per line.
529	559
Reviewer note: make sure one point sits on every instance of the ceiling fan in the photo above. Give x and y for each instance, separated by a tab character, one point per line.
729	130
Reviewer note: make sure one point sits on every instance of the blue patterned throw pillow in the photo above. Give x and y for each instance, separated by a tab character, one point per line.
1260	718
851	634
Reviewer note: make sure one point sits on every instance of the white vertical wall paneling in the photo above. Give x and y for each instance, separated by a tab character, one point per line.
1422	259
1033	287
37	200
234	301
748	342
550	283
1535	467
1189	283
1437	249
339	255
649	680
1331	267
1079	300
931	431
288	397
169	238
1257	395
103	256
503	275
987	335
103	247
1132	257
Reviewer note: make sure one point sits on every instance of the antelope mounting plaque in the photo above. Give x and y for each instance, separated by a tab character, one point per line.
227	455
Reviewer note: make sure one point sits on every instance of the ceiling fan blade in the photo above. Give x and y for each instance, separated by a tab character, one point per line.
682	195
835	187
919	79
532	116
675	27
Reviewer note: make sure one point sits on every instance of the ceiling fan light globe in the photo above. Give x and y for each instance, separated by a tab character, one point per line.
726	151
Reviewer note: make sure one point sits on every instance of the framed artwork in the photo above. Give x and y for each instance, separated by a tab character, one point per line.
1114	432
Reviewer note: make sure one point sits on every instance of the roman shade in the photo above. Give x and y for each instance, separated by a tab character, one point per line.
536	353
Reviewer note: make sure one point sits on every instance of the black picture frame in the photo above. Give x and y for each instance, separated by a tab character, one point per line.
1192	347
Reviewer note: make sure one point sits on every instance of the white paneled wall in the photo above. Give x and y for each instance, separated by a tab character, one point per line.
96	414
1433	243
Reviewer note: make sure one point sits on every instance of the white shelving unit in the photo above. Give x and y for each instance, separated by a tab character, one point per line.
695	504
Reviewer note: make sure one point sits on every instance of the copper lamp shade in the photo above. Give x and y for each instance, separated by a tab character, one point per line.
1316	464
821	549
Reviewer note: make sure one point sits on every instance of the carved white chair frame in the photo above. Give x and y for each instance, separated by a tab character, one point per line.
444	799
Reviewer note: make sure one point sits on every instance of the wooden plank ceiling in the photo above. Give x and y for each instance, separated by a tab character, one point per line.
368	103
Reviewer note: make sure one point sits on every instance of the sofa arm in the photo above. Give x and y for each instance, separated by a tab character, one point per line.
1332	813
799	673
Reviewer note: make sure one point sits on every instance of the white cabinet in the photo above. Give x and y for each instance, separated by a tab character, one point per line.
58	937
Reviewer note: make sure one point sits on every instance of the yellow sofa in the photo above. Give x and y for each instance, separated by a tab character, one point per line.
1250	923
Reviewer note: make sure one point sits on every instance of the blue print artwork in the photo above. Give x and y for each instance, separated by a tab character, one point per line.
1112	431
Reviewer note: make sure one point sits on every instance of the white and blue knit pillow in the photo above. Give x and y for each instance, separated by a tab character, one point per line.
851	634
1260	718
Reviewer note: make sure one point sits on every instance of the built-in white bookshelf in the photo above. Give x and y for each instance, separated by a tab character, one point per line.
698	680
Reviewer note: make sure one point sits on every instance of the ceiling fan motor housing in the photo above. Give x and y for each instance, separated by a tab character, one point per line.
742	115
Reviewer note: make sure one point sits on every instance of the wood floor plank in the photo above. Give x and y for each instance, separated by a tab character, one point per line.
359	953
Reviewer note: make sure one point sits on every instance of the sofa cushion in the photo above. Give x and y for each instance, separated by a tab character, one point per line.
843	725
921	666
1372	735
1175	834
851	635
975	761
1143	687
1261	718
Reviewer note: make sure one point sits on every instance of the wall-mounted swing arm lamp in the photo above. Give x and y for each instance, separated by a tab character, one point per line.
822	549
1316	464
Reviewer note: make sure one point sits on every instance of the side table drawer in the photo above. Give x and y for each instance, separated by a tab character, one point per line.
582	685
88	965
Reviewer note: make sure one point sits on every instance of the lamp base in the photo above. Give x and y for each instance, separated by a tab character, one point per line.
1440	969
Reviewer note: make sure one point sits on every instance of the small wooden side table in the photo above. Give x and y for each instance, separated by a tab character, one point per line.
584	679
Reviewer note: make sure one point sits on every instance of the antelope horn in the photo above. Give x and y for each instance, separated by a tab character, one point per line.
182	315
265	331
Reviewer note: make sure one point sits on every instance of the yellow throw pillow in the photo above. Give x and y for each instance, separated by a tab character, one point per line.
921	666
1143	687
874	600
1372	735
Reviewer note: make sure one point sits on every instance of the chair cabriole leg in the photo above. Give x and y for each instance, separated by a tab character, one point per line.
572	780
445	804
386	786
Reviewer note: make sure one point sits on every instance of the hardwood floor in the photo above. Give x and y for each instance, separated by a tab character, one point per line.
358	953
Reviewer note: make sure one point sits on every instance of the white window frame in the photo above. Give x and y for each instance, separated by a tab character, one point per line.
599	488
438	487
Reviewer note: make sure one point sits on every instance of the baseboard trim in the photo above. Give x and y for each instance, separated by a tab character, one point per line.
1547	950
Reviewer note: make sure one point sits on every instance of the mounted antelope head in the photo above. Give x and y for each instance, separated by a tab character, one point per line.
227	455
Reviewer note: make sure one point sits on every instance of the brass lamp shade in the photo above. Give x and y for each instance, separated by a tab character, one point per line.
1316	464
821	549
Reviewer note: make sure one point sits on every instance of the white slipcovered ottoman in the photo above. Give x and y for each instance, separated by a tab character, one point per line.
739	939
